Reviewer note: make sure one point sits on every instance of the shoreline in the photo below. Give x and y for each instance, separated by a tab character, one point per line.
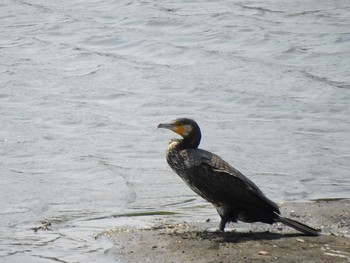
166	241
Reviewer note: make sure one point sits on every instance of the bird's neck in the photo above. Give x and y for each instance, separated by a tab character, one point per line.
182	144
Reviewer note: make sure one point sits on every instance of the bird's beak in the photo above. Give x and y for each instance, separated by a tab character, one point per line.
169	126
179	129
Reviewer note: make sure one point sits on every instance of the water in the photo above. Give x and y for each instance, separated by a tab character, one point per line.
85	83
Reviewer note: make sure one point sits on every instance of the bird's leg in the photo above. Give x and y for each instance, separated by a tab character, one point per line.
222	224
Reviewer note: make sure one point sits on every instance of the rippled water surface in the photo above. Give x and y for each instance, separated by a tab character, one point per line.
85	83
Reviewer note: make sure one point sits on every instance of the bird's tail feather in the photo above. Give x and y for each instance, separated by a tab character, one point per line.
299	226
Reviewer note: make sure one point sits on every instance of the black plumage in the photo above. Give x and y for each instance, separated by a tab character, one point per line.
234	196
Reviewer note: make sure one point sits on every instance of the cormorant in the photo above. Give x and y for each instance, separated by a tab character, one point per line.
234	196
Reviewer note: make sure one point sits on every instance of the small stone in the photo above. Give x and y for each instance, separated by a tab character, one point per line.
263	253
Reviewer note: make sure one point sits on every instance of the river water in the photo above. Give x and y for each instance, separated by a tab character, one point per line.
85	83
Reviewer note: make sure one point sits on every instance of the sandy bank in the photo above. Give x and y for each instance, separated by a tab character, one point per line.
198	242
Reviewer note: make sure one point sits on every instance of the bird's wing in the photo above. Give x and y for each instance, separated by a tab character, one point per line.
220	181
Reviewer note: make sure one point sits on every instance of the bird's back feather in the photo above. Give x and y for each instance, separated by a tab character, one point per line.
221	184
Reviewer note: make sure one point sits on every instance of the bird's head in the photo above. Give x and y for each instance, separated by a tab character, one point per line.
187	128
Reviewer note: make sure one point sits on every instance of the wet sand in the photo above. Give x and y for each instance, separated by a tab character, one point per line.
199	242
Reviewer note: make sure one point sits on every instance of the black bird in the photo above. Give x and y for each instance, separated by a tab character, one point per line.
234	196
